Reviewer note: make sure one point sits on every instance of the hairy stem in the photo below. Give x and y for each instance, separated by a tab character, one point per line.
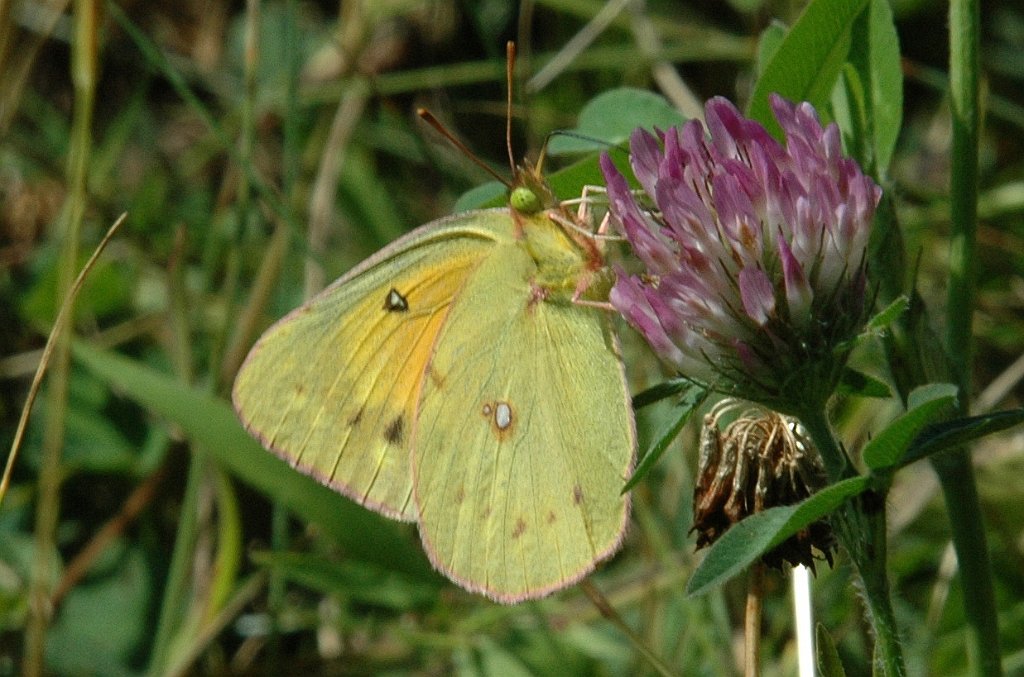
860	528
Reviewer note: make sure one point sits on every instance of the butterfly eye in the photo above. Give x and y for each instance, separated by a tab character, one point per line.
525	201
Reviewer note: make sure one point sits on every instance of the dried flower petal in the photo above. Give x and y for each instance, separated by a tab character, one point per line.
761	460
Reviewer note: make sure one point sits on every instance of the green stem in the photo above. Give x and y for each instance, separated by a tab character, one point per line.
83	77
837	463
176	589
963	83
602	604
956	475
279	531
861	531
955	472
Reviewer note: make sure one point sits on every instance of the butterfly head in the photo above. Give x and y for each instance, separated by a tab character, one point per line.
530	193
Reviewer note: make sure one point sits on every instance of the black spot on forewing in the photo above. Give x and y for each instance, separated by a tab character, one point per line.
395	432
520	528
577	495
395	302
354	421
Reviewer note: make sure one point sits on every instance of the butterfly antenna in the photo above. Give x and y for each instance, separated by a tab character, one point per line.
611	147
429	118
510	67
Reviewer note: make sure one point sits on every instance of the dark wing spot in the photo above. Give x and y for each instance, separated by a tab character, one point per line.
520	528
577	495
551	517
395	432
460	495
435	377
395	302
354	421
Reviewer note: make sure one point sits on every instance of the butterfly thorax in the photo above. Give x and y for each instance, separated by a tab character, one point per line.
563	266
570	264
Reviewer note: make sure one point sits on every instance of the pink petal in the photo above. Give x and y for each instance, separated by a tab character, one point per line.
645	158
635	224
629	298
798	291
757	294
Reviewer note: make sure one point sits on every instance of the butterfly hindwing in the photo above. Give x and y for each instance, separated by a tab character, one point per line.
524	437
332	387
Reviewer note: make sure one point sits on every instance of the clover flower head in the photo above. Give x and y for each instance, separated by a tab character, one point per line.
754	251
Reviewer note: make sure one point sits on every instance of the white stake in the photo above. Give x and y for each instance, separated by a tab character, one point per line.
804	621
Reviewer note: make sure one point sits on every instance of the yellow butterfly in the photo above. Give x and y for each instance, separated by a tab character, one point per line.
455	380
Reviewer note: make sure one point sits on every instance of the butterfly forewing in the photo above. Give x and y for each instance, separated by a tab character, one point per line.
332	388
524	437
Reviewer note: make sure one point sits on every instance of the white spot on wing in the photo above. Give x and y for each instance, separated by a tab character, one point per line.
500	417
503	416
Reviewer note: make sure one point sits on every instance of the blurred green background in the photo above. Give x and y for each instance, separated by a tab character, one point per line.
262	148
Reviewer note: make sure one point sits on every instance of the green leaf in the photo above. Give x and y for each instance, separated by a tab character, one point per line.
568	182
602	644
106	291
665	390
768	43
367	584
876	325
925	405
853	382
829	664
103	622
928	393
888	315
805	66
850	111
92	442
610	117
947	435
496	661
750	538
683	409
211	424
875	54
366	199
230	551
490	194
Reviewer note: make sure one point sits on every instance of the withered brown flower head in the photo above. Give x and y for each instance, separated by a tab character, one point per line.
760	460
